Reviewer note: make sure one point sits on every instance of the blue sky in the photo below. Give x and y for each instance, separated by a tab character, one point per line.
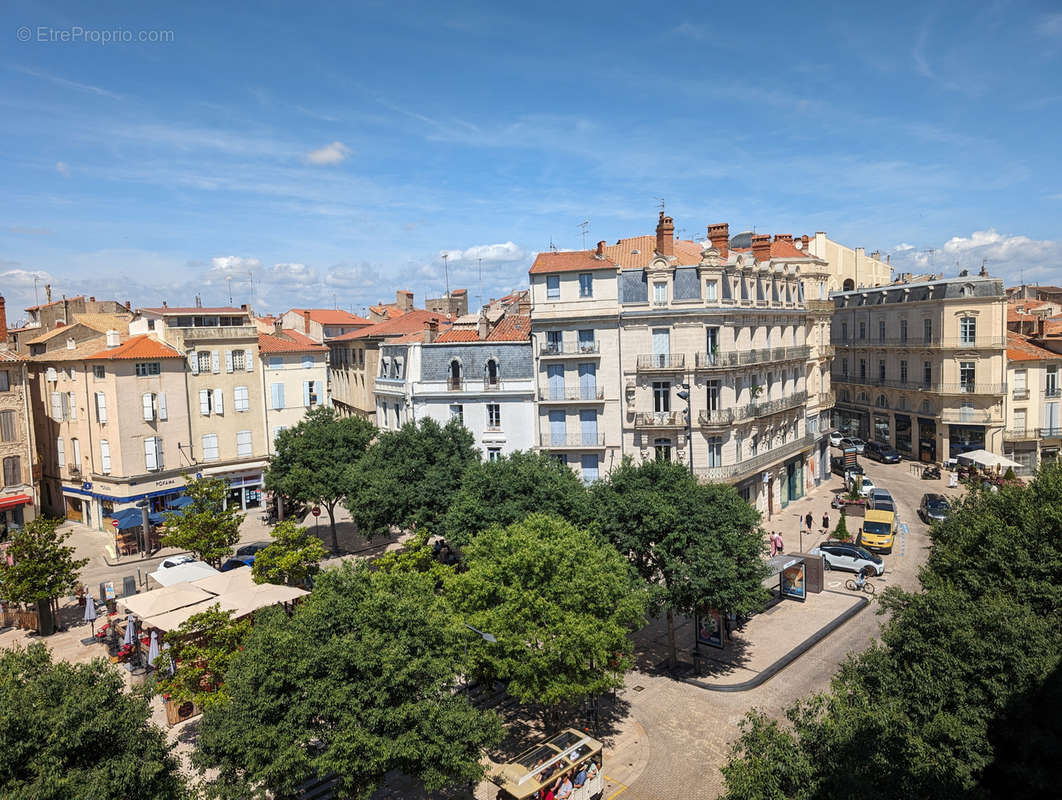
335	154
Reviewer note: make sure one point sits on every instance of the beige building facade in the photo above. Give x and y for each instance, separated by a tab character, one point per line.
18	491
922	366
1033	431
848	267
294	379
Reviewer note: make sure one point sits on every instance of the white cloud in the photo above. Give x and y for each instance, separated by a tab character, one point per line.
903	247
1050	25
334	153
489	253
690	30
67	84
62	168
1011	257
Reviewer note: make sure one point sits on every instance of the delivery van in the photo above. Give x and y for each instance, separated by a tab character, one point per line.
878	530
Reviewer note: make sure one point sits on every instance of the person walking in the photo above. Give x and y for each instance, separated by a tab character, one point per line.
778	543
825	523
809	521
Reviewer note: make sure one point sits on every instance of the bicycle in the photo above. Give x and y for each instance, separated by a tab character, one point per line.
852	585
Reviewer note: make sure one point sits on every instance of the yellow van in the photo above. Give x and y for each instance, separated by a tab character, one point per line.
878	531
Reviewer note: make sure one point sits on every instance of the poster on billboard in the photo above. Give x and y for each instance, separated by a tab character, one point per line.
792	582
710	629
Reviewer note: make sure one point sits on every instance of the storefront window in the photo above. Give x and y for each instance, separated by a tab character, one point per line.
962	438
881	428
927	439
903	433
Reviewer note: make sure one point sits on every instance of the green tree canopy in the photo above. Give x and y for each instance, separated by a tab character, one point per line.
410	476
359	681
561	603
292	556
204	526
44	568
933	709
506	490
71	730
203	648
313	460
696	546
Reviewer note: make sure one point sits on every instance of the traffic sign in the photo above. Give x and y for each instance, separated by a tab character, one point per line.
114	522
316	511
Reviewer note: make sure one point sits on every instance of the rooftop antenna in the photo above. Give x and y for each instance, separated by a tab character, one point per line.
446	275
250	284
228	280
663	205
552	247
584	227
479	262
36	293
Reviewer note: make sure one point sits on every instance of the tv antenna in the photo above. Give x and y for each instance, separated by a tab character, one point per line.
584	228
228	280
661	204
479	261
552	247
446	276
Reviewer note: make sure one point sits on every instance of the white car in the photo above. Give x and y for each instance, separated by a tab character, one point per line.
835	439
867	487
850	442
847	556
175	561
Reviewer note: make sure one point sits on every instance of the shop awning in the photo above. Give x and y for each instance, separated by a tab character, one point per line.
984	458
14	500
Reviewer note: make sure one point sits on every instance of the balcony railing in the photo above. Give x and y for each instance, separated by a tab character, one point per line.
920	343
577	441
568	349
454	384
965	416
1052	391
768	407
764	355
1050	433
492	385
1018	434
220	332
716	418
660	419
967	387
668	362
932	388
570	393
757	462
1021	394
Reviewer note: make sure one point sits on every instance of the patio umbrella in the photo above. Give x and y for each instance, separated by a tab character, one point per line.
153	649
173	667
130	630
90	612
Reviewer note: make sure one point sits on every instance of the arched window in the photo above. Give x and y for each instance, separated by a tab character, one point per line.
848	286
492	373
883	401
455	374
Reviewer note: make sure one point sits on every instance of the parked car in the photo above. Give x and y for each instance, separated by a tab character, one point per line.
882	504
933	508
237	562
850	557
835	438
174	561
251	549
838	468
867	487
879	493
881	452
849	442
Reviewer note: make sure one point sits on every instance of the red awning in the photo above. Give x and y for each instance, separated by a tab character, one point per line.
14	500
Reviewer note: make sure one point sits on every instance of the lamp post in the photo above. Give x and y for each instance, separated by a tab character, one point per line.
487	637
684	394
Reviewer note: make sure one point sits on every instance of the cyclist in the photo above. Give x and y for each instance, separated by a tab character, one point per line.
861	578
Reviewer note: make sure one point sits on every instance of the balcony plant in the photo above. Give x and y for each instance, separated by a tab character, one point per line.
756	391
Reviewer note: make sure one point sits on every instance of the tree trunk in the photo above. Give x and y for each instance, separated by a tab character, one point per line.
332	522
671	637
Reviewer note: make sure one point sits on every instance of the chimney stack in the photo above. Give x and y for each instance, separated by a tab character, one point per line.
665	236
278	326
431	330
600	253
71	344
306	322
804	242
3	319
112	338
47	293
484	326
163	304
404	299
719	234
761	247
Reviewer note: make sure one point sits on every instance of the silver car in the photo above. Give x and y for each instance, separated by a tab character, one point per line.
850	557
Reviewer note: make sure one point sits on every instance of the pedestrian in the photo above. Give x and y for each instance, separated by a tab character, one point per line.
825	522
778	543
809	521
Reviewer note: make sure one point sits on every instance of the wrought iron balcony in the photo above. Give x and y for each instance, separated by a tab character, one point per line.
557	394
765	355
572	441
1020	434
1050	433
732	472
965	416
660	419
717	418
661	362
567	349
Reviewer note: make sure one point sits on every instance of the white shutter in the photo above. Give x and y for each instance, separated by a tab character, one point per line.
243	443
277	390
193	362
148	404
161	399
215	361
101	407
151	461
228	361
77	453
219	401
158	452
73	406
210	447
318	389
248	360
51	375
64	404
204	402
60	452
57	406
105	456
306	393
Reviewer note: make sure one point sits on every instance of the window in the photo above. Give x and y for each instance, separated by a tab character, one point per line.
882	401
927	331
586	341
457	412
5	381
844	331
145	368
553	287
881	370
660	294
661	396
60	452
311	393
210	447
147	402
715	452
881	330
927	374
493	453
862	330
239	361
243	443
903	330
1020	389
586	284
105	456
903	370
279	429
71	405
492	372
7	426
98	371
276	396
203	360
712	343
307	362
12	471
153	454
662	447
588	464
967	330
455	375
276	362
967	376
844	368
240	398
493	416
862	369
1051	381
554	341
711	291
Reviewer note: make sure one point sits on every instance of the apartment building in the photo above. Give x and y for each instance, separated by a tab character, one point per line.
294	378
480	374
1033	431
686	351
226	435
452	305
848	267
18	494
922	366
321	324
354	359
52	314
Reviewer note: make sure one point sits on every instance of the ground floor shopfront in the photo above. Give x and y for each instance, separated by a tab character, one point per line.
917	436
775	488
16	509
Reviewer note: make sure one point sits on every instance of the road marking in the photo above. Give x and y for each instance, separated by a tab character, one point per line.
903	538
616	793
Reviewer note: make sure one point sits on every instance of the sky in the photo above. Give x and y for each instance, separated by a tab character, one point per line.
303	154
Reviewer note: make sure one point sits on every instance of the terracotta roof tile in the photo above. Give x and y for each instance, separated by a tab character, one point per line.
57	302
568	262
458	335
136	347
97	322
409	338
11	355
780	249
1020	348
513	328
332	316
290	341
399	326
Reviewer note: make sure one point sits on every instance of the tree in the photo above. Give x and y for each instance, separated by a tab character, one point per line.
360	680
560	602
203	648
43	567
292	556
313	460
410	476
840	533
204	526
506	490
697	546
71	730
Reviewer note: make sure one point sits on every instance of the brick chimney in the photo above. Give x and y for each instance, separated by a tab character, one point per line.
665	236
47	293
804	242
278	326
484	327
720	236
431	330
600	252
761	246
3	319
404	299
784	237
306	322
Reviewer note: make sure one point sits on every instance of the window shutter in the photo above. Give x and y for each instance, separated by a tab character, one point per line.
51	375
219	401
105	456
161	399
276	390
193	362
204	402
64	405
60	452
148	404
73	405
228	361
215	362
306	393
248	360
101	407
150	459
57	407
318	389
158	452
76	452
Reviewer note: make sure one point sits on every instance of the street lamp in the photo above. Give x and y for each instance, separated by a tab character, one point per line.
684	394
487	637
